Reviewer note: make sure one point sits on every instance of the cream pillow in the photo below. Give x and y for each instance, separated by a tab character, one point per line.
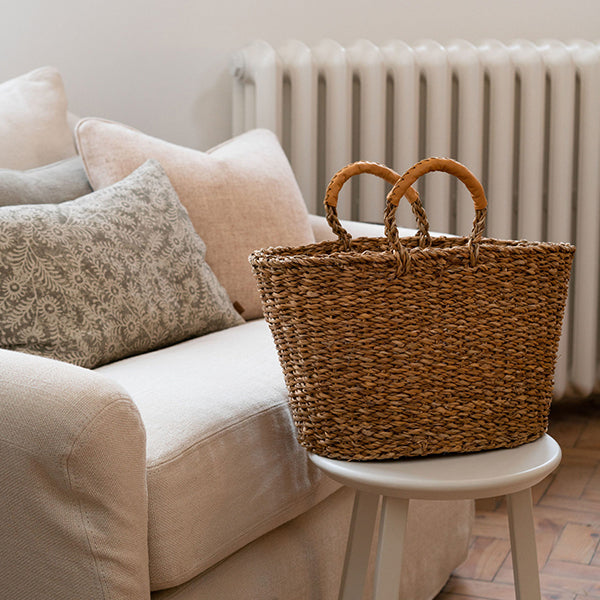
240	195
33	120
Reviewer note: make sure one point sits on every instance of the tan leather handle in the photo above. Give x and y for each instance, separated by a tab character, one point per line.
402	187
363	166
338	180
447	165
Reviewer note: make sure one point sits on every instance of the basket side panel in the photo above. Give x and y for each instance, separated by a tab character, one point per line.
446	358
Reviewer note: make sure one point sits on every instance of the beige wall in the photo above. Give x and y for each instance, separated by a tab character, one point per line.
162	65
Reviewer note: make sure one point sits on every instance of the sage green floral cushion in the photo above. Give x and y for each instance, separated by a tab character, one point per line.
118	272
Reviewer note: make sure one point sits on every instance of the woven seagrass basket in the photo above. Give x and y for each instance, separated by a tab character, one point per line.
394	347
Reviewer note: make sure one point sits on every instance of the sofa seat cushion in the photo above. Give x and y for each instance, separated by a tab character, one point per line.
223	464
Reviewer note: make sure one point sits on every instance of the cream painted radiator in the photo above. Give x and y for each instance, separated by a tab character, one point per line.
524	117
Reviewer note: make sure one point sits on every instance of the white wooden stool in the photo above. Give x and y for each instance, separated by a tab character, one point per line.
509	472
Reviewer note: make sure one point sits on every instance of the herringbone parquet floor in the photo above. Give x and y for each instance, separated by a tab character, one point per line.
567	519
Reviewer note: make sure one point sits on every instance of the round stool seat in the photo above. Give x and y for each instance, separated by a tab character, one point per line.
476	475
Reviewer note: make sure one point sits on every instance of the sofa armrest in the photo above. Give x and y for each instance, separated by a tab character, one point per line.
323	232
73	503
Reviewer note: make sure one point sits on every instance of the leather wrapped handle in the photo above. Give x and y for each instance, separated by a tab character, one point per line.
337	182
363	166
401	187
447	165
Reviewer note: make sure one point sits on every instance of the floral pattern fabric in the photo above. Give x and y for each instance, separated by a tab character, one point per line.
115	273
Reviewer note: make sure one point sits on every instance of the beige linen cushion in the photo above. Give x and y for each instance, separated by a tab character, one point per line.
240	195
114	273
224	466
33	120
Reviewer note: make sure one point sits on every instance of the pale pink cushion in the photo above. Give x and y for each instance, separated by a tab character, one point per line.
240	195
33	120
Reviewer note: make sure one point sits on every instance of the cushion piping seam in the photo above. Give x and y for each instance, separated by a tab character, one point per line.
155	467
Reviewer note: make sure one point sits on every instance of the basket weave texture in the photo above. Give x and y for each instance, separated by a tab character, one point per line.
394	347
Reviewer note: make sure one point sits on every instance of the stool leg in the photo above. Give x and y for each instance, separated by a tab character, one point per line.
359	545
394	512
522	543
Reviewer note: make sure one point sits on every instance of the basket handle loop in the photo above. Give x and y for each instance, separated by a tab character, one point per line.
401	187
338	180
447	165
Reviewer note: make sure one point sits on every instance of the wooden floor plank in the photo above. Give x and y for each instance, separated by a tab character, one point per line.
575	505
566	512
568	431
555	583
577	543
570	482
590	436
591	495
573	570
480	589
491	524
538	491
487	504
486	556
592	489
579	455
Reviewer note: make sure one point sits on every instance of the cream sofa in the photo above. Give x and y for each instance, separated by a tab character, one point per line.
173	473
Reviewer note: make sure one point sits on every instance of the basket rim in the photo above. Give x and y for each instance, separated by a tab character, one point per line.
371	248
